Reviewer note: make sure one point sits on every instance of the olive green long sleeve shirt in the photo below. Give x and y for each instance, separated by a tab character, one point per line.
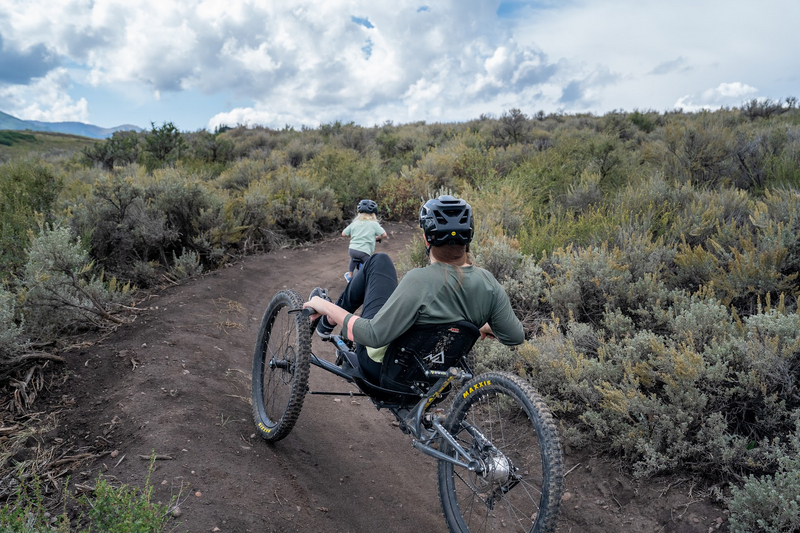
440	294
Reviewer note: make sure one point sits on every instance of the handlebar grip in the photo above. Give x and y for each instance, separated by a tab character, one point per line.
305	311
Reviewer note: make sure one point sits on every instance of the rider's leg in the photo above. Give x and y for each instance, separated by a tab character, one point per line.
370	287
357	258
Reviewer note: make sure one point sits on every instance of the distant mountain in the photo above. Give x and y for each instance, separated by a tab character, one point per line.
8	122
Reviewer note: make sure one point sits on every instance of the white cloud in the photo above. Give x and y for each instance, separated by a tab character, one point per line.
45	99
313	61
299	59
724	95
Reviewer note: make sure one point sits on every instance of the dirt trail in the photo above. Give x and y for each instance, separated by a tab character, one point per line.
176	382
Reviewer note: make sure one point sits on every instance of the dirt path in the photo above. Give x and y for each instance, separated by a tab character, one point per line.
176	382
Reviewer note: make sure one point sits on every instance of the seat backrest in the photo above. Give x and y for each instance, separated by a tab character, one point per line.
438	346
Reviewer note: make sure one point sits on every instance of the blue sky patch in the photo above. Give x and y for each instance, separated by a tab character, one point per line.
423	8
367	49
512	8
362	21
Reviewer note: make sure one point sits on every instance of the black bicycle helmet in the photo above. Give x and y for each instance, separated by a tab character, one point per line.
446	220
367	206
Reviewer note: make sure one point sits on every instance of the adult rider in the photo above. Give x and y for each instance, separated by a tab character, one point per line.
450	289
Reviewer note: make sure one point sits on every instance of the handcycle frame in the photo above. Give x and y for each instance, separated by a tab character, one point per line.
417	416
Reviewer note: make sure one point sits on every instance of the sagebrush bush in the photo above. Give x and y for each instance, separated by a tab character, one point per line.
186	265
499	255
585	281
712	397
120	226
415	256
28	190
11	339
348	175
770	503
243	172
290	202
401	195
527	291
61	290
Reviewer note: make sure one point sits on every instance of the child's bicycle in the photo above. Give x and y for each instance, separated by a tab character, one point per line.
499	458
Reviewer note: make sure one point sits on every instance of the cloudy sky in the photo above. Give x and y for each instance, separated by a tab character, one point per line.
201	63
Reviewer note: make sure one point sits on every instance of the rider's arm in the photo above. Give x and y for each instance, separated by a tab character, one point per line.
395	316
323	307
503	323
486	331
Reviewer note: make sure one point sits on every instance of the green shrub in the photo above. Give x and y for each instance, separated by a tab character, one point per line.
121	226
348	175
209	147
108	508
699	151
244	172
186	266
500	208
289	202
181	200
11	333
585	282
124	509
163	146
61	290
29	514
27	189
769	503
415	256
122	148
401	195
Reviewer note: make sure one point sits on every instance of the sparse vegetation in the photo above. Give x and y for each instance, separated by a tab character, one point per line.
108	508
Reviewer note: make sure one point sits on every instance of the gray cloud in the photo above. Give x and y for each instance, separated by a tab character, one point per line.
572	93
20	67
668	67
581	94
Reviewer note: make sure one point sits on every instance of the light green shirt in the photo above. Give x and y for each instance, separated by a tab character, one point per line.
440	294
362	235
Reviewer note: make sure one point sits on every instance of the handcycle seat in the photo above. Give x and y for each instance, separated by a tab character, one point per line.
431	346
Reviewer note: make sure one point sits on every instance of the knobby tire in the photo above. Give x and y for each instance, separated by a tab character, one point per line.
514	419
280	366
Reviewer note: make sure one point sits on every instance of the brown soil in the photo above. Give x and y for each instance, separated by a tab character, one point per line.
176	382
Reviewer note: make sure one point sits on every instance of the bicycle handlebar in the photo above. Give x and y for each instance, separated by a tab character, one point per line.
305	311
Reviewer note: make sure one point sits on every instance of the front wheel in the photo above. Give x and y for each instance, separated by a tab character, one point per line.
517	476
280	366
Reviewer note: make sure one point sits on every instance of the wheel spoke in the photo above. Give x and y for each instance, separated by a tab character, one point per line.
508	496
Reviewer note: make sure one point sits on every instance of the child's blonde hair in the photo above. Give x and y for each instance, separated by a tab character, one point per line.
367	216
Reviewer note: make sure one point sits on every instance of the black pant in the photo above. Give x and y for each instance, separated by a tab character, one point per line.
370	287
357	258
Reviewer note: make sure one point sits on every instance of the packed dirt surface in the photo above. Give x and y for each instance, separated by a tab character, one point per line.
175	382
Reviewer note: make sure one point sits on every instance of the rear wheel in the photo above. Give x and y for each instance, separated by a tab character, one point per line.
280	366
519	474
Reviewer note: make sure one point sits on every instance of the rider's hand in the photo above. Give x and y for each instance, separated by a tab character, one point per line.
318	304
486	331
